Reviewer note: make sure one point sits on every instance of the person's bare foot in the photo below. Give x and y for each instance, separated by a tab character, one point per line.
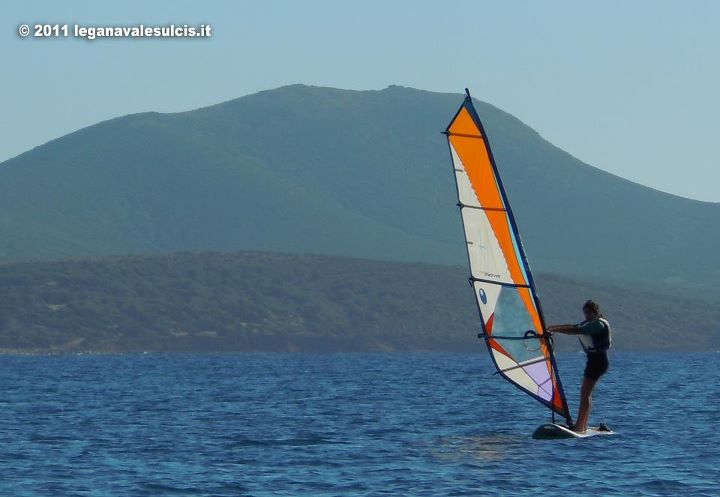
578	429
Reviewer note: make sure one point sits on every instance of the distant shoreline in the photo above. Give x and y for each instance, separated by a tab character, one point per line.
240	302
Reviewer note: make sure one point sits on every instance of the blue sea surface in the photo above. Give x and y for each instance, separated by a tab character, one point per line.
348	424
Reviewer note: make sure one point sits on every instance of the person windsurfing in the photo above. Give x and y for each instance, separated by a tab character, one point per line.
598	329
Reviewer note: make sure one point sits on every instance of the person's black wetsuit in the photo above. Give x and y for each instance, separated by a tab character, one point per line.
597	358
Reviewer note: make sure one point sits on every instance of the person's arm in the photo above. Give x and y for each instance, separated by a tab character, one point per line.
567	329
584	328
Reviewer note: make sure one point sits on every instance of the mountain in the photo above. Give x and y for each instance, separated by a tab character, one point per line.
356	173
253	301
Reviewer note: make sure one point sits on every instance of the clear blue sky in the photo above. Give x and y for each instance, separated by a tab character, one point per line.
632	87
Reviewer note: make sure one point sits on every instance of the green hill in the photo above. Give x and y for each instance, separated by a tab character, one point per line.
276	302
318	170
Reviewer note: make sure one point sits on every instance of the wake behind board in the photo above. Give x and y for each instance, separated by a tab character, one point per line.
551	431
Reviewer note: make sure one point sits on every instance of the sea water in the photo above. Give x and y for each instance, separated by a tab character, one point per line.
348	424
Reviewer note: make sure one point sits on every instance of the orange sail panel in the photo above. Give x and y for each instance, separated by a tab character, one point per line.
512	320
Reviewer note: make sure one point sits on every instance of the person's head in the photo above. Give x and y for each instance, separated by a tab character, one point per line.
591	309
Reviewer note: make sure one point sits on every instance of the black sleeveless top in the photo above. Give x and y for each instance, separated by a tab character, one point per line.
600	333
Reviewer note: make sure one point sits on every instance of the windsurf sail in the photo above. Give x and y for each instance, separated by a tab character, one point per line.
512	320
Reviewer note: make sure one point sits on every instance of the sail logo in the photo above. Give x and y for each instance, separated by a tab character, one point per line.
483	296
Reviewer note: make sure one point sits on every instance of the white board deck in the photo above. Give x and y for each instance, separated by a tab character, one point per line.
551	431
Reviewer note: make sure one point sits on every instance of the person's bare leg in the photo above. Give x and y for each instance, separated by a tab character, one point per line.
585	404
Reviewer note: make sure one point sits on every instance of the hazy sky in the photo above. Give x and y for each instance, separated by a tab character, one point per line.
632	87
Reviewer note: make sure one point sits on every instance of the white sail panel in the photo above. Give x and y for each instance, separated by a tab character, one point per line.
466	193
487	260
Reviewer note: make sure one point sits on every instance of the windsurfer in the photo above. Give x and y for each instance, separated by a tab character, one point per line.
598	329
